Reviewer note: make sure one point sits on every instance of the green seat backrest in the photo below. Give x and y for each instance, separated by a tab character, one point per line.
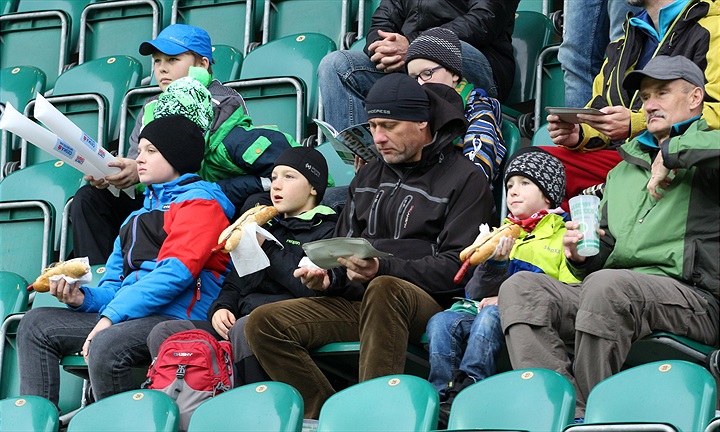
532	5
389	403
228	22
42	41
365	16
533	32
13	294
80	91
358	45
676	392
526	399
28	413
341	172
511	135
103	23
20	84
73	9
296	56
8	6
552	84
130	411
541	137
133	101
53	182
263	406
287	17
276	102
228	61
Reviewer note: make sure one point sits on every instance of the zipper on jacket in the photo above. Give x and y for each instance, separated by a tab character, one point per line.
196	296
128	258
372	220
401	215
643	217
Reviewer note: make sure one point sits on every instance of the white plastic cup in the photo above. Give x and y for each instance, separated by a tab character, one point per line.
585	210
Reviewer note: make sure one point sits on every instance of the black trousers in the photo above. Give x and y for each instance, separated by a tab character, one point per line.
96	216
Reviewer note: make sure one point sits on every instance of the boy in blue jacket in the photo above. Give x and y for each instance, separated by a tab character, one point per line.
535	182
299	179
161	269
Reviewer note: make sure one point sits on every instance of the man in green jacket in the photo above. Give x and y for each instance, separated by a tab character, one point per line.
657	269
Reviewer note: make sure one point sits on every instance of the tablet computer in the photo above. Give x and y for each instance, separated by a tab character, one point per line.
569	115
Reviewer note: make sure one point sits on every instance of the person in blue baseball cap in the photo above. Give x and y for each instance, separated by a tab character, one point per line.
175	49
96	213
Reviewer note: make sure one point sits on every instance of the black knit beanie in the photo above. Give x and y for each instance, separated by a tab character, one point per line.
439	45
179	140
308	162
397	96
542	168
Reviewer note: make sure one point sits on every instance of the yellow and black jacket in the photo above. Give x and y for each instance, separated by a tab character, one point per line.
694	33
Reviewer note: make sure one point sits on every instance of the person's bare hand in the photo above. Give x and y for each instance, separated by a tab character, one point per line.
222	321
101	325
315	279
503	249
561	133
659	178
570	240
488	301
68	293
389	52
360	270
615	124
127	176
358	163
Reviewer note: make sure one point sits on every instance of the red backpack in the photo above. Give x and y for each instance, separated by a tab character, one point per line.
191	366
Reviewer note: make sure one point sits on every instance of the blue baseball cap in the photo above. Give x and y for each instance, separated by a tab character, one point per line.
179	38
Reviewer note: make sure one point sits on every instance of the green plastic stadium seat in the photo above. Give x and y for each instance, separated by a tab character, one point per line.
358	45
136	410
287	17
526	399
295	56
389	403
72	8
13	294
132	103
28	413
228	61
18	85
533	32
676	394
264	406
540	6
342	358
549	84
90	95
278	102
31	201
660	346
228	22
366	8
541	137
8	6
511	135
115	28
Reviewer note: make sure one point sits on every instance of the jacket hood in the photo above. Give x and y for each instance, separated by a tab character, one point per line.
187	186
447	116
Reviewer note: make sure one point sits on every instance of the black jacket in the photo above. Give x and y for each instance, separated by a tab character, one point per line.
485	24
425	214
241	295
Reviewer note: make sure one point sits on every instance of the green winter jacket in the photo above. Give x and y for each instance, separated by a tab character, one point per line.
677	236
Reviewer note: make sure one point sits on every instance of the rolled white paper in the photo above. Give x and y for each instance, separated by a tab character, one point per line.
83	143
42	138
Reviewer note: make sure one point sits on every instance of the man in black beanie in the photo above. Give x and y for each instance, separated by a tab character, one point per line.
421	202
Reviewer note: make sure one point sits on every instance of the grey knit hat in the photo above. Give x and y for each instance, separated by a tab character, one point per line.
439	45
542	168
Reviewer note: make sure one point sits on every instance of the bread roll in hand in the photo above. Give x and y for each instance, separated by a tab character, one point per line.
72	268
484	246
230	237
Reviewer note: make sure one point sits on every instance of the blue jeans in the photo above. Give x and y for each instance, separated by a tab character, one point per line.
582	56
346	77
45	335
448	333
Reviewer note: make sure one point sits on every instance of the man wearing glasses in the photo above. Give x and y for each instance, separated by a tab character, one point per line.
484	28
